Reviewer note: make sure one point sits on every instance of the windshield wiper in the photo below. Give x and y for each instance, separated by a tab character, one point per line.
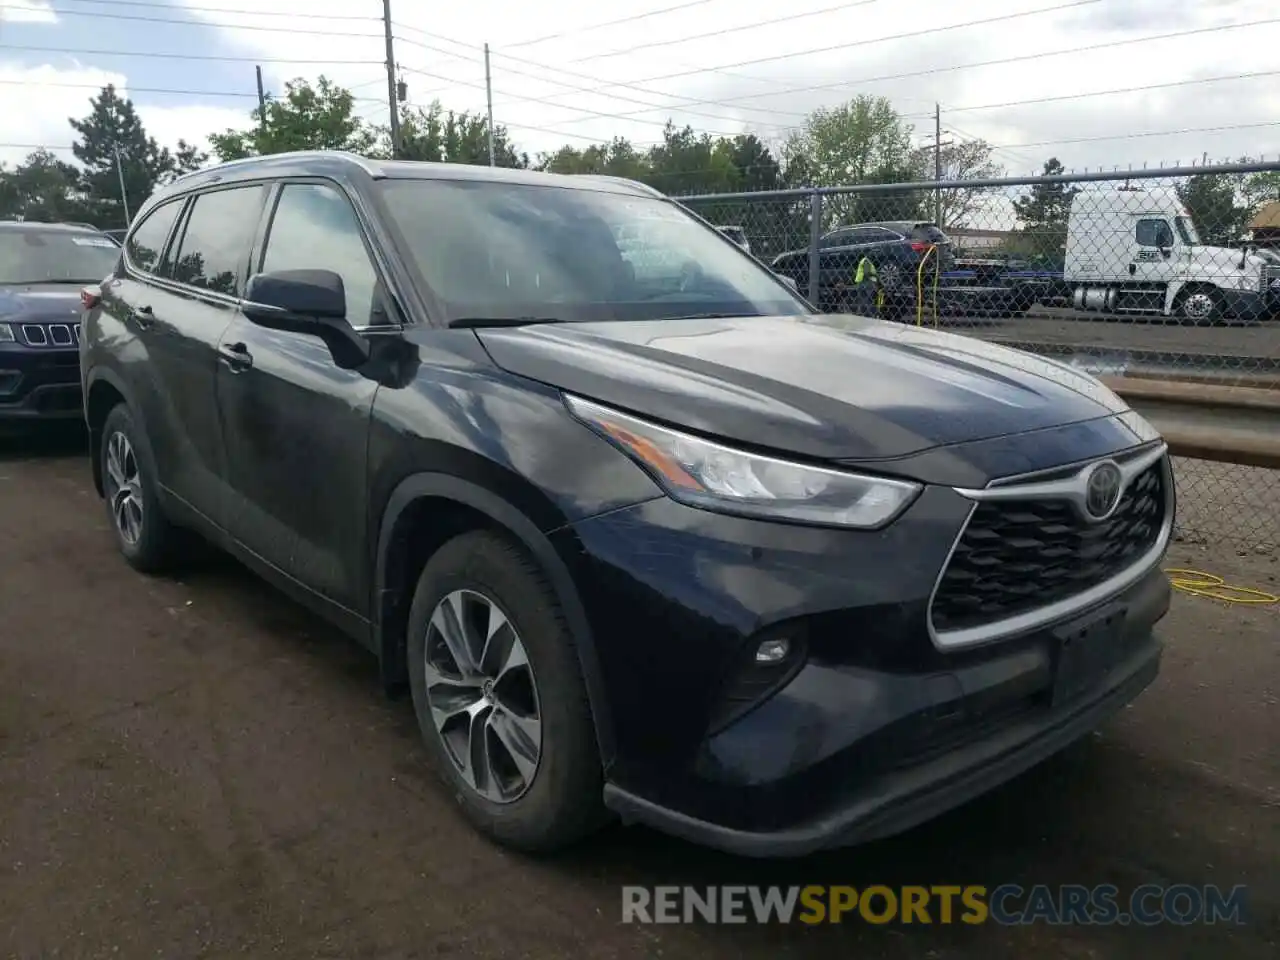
501	321
711	316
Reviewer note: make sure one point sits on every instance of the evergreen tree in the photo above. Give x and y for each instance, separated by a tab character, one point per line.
1043	213
111	142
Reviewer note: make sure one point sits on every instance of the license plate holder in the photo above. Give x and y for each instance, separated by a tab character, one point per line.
1085	650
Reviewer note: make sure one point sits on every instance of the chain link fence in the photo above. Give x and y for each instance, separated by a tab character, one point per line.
1171	273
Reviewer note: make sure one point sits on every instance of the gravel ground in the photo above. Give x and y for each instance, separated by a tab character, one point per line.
200	769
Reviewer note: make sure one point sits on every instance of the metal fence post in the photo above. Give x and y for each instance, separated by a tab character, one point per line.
815	234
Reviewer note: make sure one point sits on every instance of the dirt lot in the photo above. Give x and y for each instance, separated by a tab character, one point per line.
199	769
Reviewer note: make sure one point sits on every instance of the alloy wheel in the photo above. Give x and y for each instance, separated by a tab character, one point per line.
483	697
1198	306
124	487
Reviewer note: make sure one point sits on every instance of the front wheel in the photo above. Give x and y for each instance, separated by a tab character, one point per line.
500	698
144	535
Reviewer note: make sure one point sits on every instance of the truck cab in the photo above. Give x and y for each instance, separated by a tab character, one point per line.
1138	252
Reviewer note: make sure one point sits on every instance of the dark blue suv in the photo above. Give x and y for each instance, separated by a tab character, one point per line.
643	534
43	267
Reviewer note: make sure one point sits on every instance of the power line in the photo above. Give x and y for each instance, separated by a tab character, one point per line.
612	23
153	54
674	41
1002	61
145	4
1004	18
130	90
1140	136
93	14
544	67
594	114
582	89
1106	93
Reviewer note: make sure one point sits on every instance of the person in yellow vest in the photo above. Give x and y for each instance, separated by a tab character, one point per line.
867	295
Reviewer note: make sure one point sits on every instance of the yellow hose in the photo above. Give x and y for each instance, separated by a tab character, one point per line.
1199	584
920	287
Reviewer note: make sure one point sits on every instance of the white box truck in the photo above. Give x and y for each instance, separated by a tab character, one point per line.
1137	252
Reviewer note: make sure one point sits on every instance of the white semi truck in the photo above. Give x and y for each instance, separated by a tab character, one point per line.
1137	252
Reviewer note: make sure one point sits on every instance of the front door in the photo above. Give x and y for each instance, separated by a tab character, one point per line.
296	425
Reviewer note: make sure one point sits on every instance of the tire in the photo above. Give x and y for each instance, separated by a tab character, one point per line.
560	801
146	538
891	275
1199	305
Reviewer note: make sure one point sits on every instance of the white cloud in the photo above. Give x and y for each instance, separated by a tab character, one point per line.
28	11
37	102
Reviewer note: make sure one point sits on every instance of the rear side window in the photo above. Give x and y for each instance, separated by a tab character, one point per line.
214	251
147	242
929	234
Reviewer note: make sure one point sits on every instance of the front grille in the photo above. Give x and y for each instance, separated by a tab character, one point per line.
1016	556
51	334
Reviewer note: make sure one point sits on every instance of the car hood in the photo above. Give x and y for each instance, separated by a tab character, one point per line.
829	387
40	302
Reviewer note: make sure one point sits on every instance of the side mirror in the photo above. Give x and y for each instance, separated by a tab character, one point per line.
312	302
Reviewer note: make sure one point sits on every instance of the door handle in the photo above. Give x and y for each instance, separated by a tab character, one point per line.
142	316
236	356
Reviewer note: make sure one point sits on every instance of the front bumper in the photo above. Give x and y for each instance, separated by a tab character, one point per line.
39	385
876	729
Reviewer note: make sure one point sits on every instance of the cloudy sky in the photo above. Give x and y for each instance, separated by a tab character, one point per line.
1019	73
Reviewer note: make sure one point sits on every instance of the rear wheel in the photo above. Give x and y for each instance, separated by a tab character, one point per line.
144	535
1199	305
500	698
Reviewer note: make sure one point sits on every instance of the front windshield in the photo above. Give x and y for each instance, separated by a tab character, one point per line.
508	250
1187	230
55	256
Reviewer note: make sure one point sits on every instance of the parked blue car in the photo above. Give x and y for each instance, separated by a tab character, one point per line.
43	267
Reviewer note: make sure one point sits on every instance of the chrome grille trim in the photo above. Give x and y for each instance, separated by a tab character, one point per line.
1066	489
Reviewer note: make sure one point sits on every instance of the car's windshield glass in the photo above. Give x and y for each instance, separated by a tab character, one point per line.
1187	230
54	256
505	250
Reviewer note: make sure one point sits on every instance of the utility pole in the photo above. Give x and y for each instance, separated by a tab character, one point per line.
488	95
262	102
392	98
937	164
124	194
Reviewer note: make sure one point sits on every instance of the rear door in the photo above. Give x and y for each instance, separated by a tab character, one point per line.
184	315
297	424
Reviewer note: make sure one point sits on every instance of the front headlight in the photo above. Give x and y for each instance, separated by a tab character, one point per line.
704	474
6	334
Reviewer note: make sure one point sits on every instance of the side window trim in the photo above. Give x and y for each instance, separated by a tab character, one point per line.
385	292
162	260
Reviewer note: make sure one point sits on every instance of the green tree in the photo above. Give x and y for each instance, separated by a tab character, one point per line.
1213	200
320	117
43	188
112	142
445	136
1042	214
618	158
864	141
963	160
687	162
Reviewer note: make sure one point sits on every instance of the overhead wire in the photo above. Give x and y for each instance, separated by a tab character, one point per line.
150	4
93	14
611	23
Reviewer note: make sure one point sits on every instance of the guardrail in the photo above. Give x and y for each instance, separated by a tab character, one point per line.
1208	421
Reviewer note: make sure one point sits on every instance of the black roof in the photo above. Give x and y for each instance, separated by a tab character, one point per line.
339	164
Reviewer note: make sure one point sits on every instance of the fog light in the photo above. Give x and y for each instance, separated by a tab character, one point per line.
773	651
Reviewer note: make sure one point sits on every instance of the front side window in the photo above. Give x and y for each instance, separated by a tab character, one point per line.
1154	233
147	242
315	228
33	255
215	245
510	250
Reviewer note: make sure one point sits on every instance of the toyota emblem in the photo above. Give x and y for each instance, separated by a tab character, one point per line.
1102	491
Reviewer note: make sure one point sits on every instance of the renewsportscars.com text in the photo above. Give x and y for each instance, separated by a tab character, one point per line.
1007	904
